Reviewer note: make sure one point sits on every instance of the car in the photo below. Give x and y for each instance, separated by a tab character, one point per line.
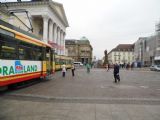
78	64
155	68
158	68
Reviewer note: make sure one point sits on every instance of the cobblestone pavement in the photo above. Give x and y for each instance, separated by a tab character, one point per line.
92	96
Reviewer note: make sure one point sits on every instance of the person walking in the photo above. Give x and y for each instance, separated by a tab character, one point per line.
63	70
88	67
116	73
107	67
73	69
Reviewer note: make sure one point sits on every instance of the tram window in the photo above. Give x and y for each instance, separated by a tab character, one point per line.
8	51
29	51
25	53
21	54
43	55
8	47
38	53
48	54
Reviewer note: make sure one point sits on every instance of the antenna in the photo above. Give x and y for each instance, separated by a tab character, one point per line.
12	12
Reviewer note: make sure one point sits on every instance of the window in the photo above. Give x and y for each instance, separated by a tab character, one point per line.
37	53
25	52
29	52
8	47
11	49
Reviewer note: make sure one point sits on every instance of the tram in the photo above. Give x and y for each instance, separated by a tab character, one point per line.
23	56
60	60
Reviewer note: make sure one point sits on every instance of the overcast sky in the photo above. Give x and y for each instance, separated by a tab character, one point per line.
107	23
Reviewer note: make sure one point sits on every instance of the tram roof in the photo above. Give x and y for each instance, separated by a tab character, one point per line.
23	32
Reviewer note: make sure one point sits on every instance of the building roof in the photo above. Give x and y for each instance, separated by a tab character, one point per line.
123	47
70	42
77	42
73	41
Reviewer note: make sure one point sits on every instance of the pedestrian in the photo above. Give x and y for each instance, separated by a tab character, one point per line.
116	73
88	67
63	70
73	69
107	67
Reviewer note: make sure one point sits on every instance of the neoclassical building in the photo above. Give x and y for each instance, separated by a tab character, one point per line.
80	50
123	53
47	17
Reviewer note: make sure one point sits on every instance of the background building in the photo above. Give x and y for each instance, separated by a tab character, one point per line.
79	50
157	52
123	53
48	20
139	49
147	49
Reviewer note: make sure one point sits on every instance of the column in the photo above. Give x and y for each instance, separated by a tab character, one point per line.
54	33
64	34
51	31
61	42
45	28
57	40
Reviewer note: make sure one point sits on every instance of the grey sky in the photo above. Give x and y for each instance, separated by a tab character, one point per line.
107	23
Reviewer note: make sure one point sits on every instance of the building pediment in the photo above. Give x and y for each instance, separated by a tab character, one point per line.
56	7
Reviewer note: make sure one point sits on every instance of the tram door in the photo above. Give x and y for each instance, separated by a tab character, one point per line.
49	64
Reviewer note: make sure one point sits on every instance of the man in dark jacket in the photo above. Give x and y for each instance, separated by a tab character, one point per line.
116	73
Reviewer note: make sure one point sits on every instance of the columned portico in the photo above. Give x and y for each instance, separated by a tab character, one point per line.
53	34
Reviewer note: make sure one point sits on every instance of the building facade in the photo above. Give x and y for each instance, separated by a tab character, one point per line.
79	50
48	20
157	52
140	46
123	53
147	49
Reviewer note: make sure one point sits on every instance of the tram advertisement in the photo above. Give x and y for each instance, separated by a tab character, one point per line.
13	67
